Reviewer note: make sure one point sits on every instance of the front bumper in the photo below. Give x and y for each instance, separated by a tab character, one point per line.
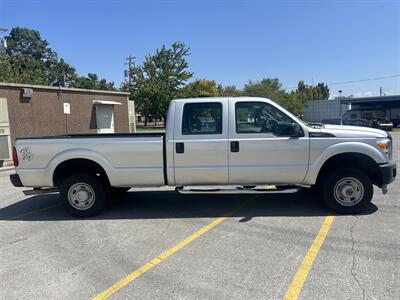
15	180
388	172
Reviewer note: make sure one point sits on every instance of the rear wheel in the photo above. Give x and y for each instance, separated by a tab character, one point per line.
347	190
82	195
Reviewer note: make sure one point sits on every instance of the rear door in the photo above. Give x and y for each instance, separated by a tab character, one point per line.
261	150
201	142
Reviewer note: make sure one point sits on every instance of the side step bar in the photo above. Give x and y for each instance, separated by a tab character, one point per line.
38	191
239	190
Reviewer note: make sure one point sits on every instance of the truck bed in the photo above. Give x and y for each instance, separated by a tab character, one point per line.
129	159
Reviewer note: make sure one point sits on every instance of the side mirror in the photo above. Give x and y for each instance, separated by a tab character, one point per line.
295	130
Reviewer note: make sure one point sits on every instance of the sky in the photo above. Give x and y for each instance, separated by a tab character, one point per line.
230	42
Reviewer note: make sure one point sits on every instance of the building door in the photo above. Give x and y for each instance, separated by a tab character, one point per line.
105	118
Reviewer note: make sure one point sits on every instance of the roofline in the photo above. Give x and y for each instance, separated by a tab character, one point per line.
372	99
67	89
220	98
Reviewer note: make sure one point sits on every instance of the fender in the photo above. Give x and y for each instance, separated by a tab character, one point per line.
340	148
75	153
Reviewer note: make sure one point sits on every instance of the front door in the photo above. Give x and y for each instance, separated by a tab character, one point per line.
201	143
261	150
105	118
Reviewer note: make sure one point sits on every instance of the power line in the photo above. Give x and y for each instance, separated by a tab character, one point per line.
362	80
354	81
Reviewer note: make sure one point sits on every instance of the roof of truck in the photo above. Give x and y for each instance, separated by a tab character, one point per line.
219	98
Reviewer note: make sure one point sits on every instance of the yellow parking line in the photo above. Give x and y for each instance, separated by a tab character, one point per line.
132	276
301	275
29	213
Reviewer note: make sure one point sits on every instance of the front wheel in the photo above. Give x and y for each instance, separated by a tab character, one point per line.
347	190
82	195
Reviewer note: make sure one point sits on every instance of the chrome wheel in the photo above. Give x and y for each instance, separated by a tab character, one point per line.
349	191
81	196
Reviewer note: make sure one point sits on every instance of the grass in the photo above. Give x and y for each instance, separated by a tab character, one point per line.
150	129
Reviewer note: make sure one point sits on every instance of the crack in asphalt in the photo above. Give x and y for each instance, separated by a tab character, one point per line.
354	252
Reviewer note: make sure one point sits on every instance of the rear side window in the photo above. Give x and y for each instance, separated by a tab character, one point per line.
202	118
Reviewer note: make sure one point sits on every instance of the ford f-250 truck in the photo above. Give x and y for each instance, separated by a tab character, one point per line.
225	145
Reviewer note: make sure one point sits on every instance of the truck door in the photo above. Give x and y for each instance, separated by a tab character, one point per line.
201	142
261	150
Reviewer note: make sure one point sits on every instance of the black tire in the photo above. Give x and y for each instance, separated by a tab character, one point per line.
347	191
91	187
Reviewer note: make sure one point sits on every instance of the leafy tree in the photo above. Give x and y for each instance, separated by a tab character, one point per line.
158	80
272	88
267	87
321	91
92	82
199	88
29	59
61	74
228	91
309	92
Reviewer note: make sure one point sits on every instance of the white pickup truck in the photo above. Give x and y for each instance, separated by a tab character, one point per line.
225	145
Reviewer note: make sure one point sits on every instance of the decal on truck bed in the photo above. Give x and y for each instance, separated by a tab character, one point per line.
26	153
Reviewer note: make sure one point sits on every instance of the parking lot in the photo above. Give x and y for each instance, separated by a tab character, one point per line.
155	244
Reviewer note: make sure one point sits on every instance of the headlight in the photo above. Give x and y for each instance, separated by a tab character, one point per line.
385	146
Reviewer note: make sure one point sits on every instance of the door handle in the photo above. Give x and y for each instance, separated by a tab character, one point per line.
234	146
179	147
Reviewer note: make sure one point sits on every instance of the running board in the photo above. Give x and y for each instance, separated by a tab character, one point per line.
38	191
238	190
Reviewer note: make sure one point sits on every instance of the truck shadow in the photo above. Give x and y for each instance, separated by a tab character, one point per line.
169	204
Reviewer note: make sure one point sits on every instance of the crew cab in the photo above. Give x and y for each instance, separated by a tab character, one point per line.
224	145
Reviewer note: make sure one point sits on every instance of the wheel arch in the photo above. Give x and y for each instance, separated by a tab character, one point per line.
73	166
360	161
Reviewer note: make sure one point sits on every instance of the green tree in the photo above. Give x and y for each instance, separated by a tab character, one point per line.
272	88
158	80
199	88
309	92
29	59
92	82
267	87
228	91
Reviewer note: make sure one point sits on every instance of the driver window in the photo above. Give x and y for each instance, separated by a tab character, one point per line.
260	117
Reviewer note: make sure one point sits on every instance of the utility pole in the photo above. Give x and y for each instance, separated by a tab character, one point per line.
130	63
